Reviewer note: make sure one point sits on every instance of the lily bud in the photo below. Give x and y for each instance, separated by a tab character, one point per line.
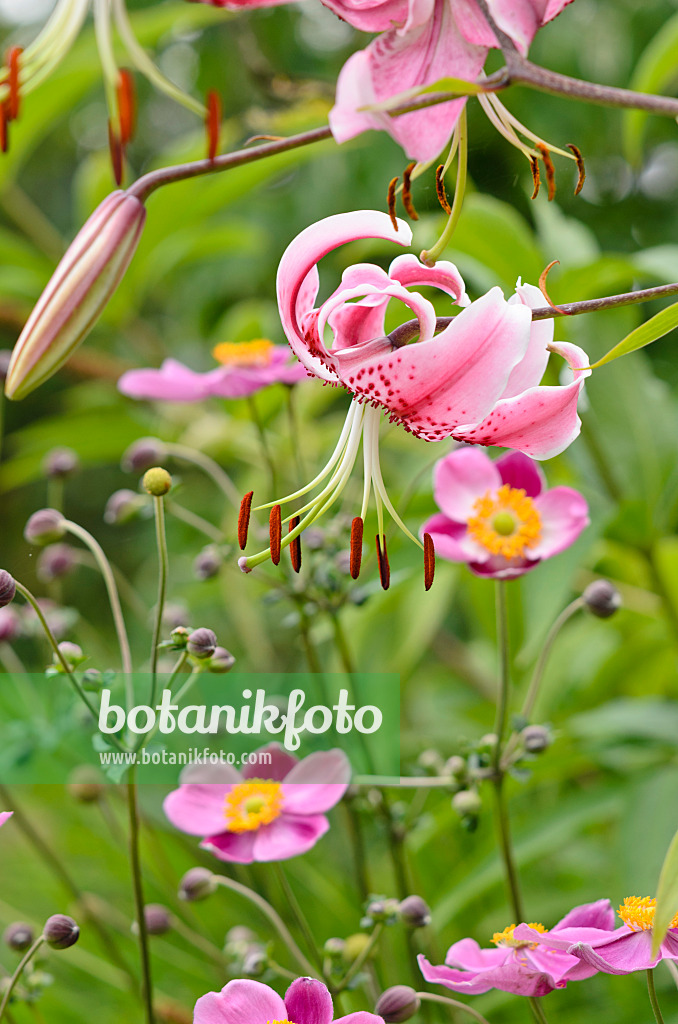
77	293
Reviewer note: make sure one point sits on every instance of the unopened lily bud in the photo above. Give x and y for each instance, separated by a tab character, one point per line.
157	918
602	599
202	643
466	802
123	506
208	563
61	931
85	785
157	481
77	293
72	655
197	884
55	562
142	454
414	912
61	463
45	527
7	588
535	738
221	661
397	1004
19	936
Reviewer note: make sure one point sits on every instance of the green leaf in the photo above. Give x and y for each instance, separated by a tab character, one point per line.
656	71
656	327
667	896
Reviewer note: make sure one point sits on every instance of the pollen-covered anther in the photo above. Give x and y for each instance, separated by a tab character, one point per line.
244	519
429	561
536	177
295	545
575	150
126	95
549	168
391	201
356	547
440	189
13	99
505	938
213	123
275	533
407	191
637	913
505	522
382	558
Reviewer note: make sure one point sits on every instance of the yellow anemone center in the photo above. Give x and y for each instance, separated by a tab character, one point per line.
505	522
244	353
250	805
505	938
637	913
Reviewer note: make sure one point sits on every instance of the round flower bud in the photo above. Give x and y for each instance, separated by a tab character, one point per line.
397	1004
179	637
10	625
60	931
142	454
466	802
455	766
202	643
354	946
85	785
334	948
221	661
45	527
415	912
208	563
157	481
72	655
55	561
430	761
61	463
602	599
123	506
19	936
7	588
535	738
488	741
197	884
158	919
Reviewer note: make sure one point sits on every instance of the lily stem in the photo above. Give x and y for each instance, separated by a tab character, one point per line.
163	563
653	997
362	957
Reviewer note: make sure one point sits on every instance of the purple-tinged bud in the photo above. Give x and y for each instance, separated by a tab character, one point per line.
221	661
55	561
158	919
19	936
602	599
397	1004
197	884
123	506
414	912
45	527
85	785
5	360
202	643
72	655
7	588
157	481
60	463
142	454
334	948
77	293
208	563
535	738
60	931
10	625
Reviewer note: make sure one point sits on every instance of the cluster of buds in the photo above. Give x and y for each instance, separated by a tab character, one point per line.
202	647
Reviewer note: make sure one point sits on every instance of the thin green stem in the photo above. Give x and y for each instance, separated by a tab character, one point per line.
137	885
341	643
18	972
506	849
454	1004
504	672
263	440
213	533
361	959
297	912
651	992
429	256
537	1011
163	564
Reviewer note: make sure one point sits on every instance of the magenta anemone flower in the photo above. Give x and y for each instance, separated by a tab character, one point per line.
626	949
246	367
478	380
306	1001
5	816
246	818
497	516
524	966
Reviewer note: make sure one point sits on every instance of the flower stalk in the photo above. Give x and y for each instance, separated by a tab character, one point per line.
18	972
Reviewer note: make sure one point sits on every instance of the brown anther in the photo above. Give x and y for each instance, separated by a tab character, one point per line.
356	547
580	166
384	567
275	533
244	519
391	200
4	137
295	545
115	147
429	561
440	189
550	170
127	106
13	100
407	191
213	123
542	287
536	177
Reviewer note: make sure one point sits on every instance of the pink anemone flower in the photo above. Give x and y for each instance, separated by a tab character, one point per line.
521	963
306	1001
497	516
626	949
245	818
478	380
5	816
246	367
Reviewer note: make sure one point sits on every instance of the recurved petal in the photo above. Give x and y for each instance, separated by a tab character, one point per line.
444	275
530	370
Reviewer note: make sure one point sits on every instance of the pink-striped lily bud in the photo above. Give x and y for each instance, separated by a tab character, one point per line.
77	293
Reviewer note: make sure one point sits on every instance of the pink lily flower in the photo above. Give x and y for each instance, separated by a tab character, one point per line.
497	516
5	816
306	1001
521	963
626	949
246	368
245	818
476	381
